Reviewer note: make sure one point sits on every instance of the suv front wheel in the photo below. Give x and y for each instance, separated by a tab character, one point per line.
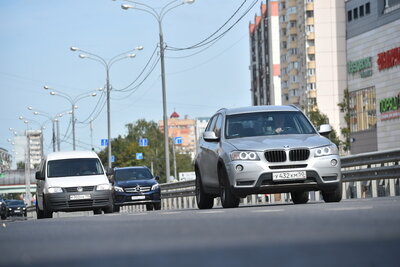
228	199
333	196
203	200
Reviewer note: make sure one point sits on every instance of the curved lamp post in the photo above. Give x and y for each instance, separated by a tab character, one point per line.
159	16
72	101
107	65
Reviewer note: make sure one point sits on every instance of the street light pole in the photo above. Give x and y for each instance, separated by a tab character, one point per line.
107	65
159	17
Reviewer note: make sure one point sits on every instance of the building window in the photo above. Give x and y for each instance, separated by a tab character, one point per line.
355	13
367	8
349	16
310	86
362	109
361	11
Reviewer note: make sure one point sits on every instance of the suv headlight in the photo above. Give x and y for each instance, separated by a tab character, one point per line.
52	190
326	151
244	155
155	187
118	189
104	187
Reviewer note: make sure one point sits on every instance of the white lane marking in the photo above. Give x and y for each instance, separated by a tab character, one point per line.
350	208
211	212
171	212
266	211
136	214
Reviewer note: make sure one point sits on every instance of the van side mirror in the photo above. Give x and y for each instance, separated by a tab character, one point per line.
38	176
325	130
210	136
109	171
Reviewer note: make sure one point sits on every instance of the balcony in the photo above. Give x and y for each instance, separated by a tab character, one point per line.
294	86
292	3
309	6
293	17
311	50
293	72
285	77
285	91
294	100
311	79
310	36
311	64
310	21
312	94
293	44
293	58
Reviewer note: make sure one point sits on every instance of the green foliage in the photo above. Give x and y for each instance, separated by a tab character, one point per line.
345	108
318	118
20	165
125	149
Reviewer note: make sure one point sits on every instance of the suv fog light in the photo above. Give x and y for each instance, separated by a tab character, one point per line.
334	162
239	168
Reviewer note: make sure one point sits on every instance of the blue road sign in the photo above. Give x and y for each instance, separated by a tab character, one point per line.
139	155
112	158
104	142
178	140
143	142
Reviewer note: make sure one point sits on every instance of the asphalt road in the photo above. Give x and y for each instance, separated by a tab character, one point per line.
350	233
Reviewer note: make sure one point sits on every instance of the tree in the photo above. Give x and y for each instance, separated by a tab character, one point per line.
20	165
318	118
125	149
345	108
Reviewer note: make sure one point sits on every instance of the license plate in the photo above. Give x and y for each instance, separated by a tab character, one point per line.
138	197
281	176
17	211
80	197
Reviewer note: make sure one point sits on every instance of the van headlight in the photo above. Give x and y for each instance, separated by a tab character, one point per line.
155	187
52	190
103	187
118	189
244	155
326	151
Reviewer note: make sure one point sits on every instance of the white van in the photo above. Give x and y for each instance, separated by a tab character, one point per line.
72	181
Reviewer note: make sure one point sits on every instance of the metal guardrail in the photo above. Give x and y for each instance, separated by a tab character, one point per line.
362	167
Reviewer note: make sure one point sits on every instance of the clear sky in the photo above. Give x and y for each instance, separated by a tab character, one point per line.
35	41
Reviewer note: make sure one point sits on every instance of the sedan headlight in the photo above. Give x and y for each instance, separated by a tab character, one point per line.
118	189
104	187
244	155
155	187
55	190
326	151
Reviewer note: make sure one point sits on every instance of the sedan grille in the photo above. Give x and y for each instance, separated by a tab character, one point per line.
137	189
299	154
275	156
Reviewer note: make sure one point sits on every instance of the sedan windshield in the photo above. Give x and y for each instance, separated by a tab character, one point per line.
267	123
132	174
74	167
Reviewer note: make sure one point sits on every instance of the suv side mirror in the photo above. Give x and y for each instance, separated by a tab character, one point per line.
157	178
38	176
210	136
325	130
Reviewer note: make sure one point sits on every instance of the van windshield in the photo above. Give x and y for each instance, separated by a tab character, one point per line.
132	174
74	167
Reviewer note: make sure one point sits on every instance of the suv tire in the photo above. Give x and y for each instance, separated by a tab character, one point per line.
299	197
333	196
228	199
203	200
157	206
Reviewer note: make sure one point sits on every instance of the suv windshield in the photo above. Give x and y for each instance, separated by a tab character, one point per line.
132	174
74	167
16	203
267	123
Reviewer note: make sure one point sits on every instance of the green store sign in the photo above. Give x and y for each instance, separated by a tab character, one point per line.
362	66
389	104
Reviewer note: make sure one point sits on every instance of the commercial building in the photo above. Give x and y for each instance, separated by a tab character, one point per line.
35	148
373	67
264	56
5	160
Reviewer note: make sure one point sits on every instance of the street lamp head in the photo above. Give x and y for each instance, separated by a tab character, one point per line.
93	94
36	113
53	93
100	89
83	56
73	48
132	55
46	87
188	1
126	6
140	47
26	122
21	118
30	108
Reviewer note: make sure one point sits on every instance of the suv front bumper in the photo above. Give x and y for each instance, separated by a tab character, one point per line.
123	198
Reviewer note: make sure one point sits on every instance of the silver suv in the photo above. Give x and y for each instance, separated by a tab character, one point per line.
265	149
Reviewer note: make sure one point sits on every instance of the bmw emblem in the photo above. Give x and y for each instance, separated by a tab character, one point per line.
286	146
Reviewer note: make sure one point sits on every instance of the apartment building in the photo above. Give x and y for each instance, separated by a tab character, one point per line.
264	56
313	56
34	150
373	67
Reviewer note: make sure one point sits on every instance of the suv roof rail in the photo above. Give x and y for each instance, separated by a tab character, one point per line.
221	109
294	106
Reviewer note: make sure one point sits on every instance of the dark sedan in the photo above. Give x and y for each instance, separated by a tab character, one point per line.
16	208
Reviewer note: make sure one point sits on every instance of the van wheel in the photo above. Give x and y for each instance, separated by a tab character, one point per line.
228	199
46	213
117	208
203	200
97	211
299	197
39	213
149	207
109	209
